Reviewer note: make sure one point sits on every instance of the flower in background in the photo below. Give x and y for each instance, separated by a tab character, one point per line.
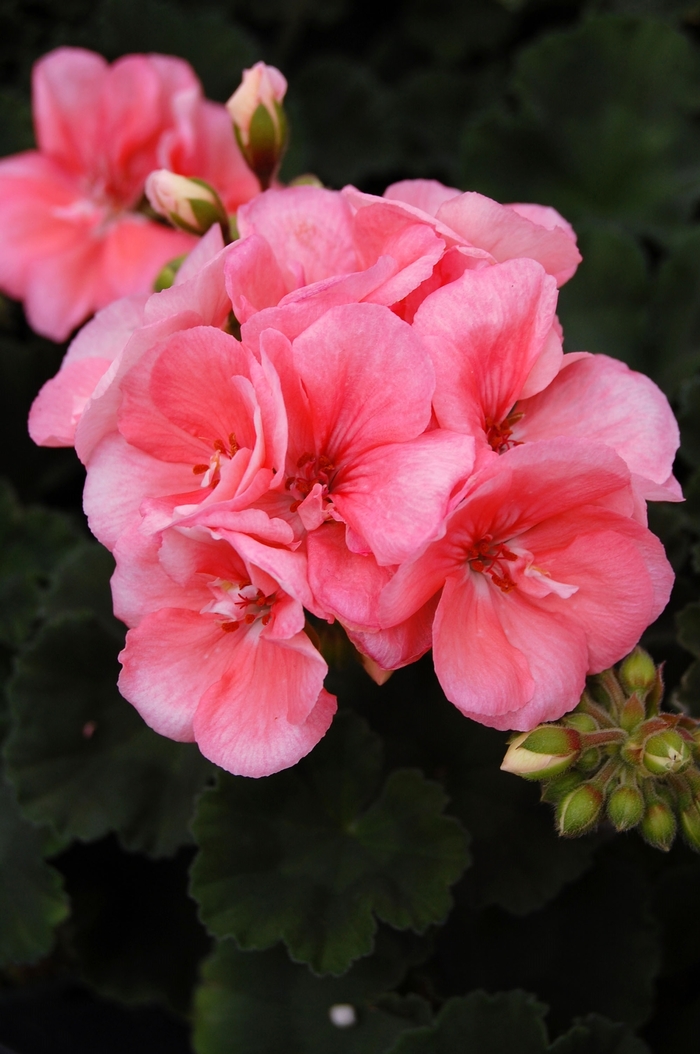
73	238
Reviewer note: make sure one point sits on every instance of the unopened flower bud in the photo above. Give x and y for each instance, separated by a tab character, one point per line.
666	752
166	276
690	824
638	672
659	825
259	122
579	810
582	722
632	713
625	807
546	752
189	203
556	789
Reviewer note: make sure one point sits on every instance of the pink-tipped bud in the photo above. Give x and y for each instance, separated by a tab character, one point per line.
542	754
189	203
259	121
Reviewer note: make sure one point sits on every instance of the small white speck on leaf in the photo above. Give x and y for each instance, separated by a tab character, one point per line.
342	1015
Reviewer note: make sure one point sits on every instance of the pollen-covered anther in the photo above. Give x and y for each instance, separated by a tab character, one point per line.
499	435
212	471
488	558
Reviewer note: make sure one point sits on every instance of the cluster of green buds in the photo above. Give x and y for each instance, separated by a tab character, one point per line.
619	757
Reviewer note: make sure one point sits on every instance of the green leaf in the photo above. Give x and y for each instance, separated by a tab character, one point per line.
133	931
260	1002
315	855
519	861
605	308
80	582
675	314
688	623
81	758
598	123
596	1035
31	541
32	900
556	951
340	122
482	1024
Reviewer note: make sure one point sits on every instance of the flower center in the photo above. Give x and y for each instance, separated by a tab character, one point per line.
240	603
211	473
491	559
311	469
499	435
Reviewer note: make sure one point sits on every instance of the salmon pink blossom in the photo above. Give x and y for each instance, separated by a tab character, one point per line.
73	236
226	662
539	581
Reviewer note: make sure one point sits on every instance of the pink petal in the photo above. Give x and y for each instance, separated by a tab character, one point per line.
397	495
425	194
479	669
57	408
507	235
368	379
554	648
170	660
269	710
135	251
600	398
120	477
253	278
485	332
345	585
66	88
308	228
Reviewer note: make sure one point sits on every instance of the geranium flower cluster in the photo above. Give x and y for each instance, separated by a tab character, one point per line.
361	410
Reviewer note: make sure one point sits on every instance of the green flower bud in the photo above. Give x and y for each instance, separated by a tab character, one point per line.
637	672
166	277
556	789
546	752
581	722
690	825
578	812
659	825
589	760
633	713
625	807
666	752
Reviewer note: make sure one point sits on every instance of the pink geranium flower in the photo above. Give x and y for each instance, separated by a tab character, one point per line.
219	654
501	377
73	240
539	581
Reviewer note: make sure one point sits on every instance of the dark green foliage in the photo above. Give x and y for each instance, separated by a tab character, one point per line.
482	1024
591	106
31	542
315	855
121	902
79	755
261	1002
32	900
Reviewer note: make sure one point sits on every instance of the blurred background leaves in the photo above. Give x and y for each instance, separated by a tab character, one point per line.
592	106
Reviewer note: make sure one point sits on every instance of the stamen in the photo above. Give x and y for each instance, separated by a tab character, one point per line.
486	558
499	435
